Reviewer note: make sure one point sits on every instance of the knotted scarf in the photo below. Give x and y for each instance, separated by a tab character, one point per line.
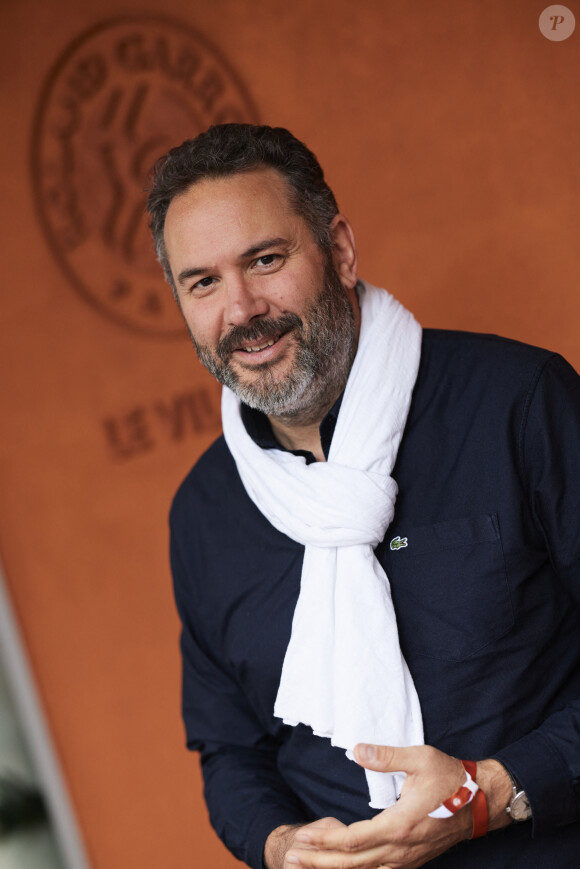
344	674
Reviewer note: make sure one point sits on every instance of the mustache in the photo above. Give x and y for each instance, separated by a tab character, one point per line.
266	328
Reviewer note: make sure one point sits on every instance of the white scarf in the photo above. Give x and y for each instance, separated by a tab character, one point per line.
344	674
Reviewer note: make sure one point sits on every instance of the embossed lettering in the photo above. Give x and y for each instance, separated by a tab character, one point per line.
209	89
191	412
88	77
129	435
119	96
140	429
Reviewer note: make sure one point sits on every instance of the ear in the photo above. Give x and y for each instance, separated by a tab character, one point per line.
344	251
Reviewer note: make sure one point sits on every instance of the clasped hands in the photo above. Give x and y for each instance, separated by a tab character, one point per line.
402	836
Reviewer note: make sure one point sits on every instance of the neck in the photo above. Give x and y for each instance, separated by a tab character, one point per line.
302	432
305	438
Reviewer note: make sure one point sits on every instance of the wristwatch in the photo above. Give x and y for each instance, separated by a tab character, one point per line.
519	808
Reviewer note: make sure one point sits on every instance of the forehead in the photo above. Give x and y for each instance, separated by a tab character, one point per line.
217	205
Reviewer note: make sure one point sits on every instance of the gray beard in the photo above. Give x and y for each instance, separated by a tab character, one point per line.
326	347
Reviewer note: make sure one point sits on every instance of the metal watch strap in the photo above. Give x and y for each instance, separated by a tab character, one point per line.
518	808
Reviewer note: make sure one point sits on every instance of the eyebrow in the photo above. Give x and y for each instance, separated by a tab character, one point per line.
252	251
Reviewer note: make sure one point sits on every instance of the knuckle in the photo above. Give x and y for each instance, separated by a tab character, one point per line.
429	757
429	753
351	842
405	854
386	753
402	834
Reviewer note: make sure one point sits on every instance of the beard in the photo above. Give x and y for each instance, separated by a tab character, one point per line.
325	340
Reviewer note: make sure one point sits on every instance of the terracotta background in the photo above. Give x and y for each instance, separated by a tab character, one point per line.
449	130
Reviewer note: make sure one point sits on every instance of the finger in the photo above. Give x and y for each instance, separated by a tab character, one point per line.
360	836
386	758
299	859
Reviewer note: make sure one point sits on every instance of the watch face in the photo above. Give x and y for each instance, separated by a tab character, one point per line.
520	809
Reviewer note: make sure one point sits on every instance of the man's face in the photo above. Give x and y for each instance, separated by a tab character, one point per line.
267	312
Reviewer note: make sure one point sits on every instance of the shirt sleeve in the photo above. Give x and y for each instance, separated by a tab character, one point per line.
546	762
245	794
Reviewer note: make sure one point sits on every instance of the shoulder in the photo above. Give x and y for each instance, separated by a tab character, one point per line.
478	361
487	349
467	377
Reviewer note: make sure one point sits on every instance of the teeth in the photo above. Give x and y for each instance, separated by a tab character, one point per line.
262	347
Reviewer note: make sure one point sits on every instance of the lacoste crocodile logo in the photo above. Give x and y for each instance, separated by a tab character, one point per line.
398	543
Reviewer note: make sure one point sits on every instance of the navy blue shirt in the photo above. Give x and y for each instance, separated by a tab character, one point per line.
487	596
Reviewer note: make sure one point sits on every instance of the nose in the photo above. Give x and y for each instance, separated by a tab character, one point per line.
243	302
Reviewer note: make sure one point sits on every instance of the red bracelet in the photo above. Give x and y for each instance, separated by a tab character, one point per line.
478	803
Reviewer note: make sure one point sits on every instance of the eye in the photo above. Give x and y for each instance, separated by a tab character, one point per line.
203	284
269	261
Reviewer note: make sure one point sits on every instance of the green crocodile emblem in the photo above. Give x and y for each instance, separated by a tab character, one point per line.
398	543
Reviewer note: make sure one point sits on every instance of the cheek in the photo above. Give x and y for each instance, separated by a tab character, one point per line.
204	323
295	292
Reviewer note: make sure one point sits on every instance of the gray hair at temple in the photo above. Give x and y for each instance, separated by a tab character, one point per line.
227	149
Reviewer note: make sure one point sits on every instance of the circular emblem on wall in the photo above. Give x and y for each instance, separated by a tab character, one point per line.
120	96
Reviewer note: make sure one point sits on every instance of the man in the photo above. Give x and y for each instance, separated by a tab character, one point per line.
291	560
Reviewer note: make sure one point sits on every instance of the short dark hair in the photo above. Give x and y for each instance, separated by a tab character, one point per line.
227	149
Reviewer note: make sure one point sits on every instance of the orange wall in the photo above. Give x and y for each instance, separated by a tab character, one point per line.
449	130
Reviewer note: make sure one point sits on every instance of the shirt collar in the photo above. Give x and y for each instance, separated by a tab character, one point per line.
258	427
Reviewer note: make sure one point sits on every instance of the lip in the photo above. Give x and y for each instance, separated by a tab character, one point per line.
268	354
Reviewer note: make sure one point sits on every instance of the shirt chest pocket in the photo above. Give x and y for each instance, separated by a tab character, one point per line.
449	586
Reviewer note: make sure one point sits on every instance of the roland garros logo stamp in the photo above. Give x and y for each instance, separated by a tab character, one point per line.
119	96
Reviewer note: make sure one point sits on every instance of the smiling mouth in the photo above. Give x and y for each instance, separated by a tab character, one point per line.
258	338
256	349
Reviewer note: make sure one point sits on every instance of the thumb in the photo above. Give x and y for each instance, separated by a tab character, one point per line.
385	758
